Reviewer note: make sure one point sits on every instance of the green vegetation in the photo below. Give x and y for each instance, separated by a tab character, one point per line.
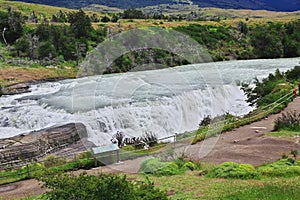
46	42
267	191
233	170
270	95
52	164
67	36
271	40
272	88
289	121
156	167
284	133
86	187
278	180
288	167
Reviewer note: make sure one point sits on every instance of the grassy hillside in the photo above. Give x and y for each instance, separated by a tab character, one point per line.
39	9
278	5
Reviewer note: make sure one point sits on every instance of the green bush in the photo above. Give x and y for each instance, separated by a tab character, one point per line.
151	166
190	165
283	168
156	167
233	170
283	171
87	187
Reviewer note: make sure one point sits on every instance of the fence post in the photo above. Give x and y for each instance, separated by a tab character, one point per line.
28	172
174	140
118	156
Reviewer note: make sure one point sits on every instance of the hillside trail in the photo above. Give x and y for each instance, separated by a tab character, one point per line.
246	144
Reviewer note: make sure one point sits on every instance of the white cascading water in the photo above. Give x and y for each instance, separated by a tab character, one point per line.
163	102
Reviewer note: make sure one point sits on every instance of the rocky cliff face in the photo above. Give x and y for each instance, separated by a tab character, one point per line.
37	144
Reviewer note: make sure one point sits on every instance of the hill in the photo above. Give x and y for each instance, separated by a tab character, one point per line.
278	5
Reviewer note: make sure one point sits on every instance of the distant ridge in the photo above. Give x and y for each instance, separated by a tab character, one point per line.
274	5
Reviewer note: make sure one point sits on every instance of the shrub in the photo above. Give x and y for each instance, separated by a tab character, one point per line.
233	170
156	167
34	169
283	171
150	138
288	121
170	169
151	166
190	165
108	187
282	168
52	161
205	121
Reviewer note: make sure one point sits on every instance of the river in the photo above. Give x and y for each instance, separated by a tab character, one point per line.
163	102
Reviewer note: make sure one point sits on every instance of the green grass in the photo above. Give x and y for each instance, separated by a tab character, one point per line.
14	175
284	133
192	186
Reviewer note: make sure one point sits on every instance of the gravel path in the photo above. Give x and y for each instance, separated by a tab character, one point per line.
246	144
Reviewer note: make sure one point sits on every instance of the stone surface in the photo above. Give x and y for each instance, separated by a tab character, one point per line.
38	144
15	89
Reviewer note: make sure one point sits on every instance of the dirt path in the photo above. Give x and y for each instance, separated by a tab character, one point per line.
246	144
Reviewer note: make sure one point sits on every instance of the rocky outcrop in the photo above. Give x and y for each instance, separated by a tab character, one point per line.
39	143
15	89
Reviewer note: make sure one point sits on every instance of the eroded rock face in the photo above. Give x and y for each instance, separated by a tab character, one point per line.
15	89
40	143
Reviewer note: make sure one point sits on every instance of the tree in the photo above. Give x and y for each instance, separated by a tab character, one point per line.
33	44
294	153
22	46
12	22
80	24
33	18
46	50
114	18
80	51
133	14
105	19
94	18
243	28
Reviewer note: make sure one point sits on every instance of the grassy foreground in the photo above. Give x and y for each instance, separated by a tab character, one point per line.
193	186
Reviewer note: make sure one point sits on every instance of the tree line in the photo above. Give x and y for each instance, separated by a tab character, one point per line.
54	42
270	40
48	41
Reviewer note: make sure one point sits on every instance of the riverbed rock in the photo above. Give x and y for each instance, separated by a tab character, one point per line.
37	144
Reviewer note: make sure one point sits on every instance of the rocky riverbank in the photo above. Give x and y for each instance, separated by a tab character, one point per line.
38	144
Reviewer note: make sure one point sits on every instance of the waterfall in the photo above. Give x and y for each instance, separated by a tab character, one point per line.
163	102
